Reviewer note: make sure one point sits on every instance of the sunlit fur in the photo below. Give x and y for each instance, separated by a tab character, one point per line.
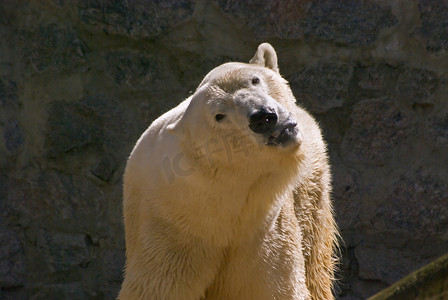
206	218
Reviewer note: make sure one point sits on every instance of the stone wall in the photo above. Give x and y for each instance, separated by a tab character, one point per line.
429	282
81	80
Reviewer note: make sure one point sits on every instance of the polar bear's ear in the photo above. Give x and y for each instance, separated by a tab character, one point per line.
176	128
266	57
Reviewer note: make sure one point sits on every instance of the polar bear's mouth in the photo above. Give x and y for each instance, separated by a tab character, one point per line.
284	135
275	128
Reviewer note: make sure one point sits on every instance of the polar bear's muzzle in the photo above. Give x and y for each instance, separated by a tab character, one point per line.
275	131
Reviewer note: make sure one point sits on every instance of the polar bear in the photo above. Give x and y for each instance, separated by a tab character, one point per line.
227	195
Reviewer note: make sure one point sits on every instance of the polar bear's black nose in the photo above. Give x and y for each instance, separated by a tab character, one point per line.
262	121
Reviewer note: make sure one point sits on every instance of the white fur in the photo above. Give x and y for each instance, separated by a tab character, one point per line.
208	206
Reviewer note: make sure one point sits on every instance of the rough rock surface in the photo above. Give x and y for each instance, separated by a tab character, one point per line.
81	80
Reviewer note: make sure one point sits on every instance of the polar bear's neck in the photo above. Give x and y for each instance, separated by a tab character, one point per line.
219	203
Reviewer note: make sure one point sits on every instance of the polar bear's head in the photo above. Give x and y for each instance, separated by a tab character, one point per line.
246	102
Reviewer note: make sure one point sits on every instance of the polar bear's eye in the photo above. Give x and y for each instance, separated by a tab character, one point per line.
219	117
255	80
